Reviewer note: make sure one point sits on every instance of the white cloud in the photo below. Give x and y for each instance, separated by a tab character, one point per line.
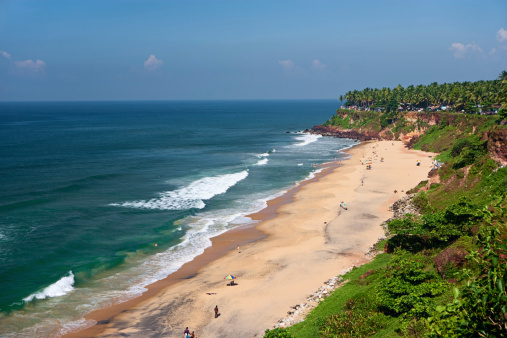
5	54
492	51
30	65
501	35
287	65
460	50
317	65
152	63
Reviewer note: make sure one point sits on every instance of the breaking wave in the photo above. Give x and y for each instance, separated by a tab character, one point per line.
191	196
60	288
307	139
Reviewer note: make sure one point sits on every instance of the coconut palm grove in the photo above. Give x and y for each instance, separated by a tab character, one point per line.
469	97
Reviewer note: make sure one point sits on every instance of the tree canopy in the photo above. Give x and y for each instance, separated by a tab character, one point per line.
456	96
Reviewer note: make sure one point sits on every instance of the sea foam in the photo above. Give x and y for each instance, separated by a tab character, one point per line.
262	162
60	288
307	139
191	196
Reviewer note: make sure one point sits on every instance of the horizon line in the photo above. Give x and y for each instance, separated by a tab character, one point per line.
160	100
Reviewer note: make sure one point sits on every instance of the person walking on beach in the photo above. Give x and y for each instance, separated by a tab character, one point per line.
216	311
186	332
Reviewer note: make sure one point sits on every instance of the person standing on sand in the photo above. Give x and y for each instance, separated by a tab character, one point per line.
186	332
216	311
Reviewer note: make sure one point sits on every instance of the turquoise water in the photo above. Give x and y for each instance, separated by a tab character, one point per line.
89	188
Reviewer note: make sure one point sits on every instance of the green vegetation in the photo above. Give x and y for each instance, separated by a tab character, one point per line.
445	271
457	96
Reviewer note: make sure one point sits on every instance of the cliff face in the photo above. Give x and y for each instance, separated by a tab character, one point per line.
411	126
497	144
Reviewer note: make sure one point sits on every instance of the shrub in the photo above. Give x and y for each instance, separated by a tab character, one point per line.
482	309
434	229
459	146
421	202
408	287
467	150
277	333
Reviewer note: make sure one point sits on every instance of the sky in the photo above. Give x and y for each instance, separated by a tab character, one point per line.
80	50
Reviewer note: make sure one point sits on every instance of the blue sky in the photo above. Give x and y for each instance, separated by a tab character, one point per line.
209	49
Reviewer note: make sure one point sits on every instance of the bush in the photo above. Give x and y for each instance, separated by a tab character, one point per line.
459	146
434	229
408	287
421	202
482	309
502	113
467	150
277	333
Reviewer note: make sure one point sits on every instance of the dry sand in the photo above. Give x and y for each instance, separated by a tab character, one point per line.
309	240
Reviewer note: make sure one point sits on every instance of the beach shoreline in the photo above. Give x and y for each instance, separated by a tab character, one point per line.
221	245
303	235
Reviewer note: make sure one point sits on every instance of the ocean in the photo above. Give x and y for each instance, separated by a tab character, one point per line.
100	199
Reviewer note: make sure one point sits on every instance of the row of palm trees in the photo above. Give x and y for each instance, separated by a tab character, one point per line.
456	96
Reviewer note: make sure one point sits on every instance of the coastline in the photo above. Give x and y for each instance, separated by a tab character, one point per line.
302	236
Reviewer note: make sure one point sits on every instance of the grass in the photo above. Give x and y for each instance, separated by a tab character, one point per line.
335	303
483	182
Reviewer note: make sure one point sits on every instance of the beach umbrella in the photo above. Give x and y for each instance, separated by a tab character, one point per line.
230	277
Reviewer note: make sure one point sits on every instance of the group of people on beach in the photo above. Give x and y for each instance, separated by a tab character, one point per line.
188	334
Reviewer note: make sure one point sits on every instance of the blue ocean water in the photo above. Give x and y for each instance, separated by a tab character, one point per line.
88	188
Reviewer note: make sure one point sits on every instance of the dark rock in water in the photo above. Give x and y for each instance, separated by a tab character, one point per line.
366	135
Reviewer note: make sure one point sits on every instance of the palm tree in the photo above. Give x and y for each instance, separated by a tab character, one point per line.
503	76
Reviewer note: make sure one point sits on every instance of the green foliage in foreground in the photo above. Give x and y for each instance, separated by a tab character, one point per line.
407	287
482	308
434	229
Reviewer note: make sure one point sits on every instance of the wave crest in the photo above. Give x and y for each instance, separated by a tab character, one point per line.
191	196
307	139
60	288
262	162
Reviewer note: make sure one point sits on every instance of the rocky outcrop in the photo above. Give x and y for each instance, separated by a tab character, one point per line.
497	144
448	259
403	206
364	135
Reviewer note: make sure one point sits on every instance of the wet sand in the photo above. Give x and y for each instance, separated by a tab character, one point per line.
303	239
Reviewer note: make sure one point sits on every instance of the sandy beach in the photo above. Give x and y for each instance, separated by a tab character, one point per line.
304	238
